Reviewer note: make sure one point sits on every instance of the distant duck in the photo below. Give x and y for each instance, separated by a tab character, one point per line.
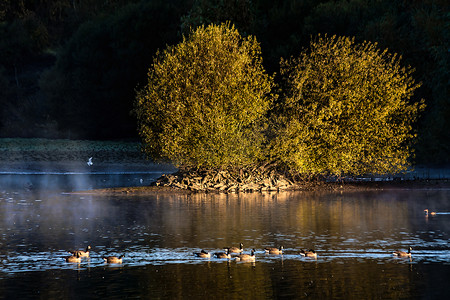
236	249
274	250
223	254
431	213
403	253
113	259
309	253
73	259
246	257
202	254
81	253
90	163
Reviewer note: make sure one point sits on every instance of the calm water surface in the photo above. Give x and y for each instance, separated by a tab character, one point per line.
354	234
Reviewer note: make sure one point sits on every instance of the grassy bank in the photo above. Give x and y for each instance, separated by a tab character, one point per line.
18	149
25	155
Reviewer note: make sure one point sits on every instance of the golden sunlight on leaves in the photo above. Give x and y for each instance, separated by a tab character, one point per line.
349	105
206	100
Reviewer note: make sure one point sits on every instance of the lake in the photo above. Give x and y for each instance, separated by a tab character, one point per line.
353	233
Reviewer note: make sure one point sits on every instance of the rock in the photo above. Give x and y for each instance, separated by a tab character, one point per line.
196	187
219	185
266	182
261	179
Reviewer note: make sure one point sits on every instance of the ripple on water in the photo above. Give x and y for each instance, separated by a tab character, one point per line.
137	256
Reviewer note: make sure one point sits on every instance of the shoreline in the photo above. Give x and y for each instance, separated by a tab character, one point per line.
418	184
67	156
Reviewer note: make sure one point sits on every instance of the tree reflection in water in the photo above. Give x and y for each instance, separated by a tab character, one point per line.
354	234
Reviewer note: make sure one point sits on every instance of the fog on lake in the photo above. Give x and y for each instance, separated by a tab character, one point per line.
353	233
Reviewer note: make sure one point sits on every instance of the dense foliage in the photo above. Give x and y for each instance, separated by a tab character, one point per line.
241	13
346	110
91	87
59	34
206	100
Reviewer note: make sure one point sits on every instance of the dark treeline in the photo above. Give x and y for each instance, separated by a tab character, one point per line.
70	68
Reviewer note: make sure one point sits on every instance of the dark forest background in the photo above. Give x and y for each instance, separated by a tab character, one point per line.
70	68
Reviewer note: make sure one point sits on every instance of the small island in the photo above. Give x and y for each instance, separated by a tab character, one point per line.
341	110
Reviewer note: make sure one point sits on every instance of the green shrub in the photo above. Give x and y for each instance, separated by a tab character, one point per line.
206	100
345	110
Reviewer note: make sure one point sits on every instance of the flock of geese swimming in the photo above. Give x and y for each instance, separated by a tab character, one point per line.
241	256
79	254
239	251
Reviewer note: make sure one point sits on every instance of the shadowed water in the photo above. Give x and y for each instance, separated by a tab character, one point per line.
353	233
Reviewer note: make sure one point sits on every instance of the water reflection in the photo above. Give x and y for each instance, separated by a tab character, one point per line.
73	181
354	234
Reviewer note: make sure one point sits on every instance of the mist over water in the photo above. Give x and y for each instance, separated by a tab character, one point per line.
354	234
78	175
70	182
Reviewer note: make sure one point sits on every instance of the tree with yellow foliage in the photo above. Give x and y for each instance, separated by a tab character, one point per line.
206	101
346	109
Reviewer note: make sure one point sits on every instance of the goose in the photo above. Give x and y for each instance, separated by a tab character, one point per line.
310	253
274	250
403	253
246	257
432	213
113	259
202	254
73	259
236	249
81	253
223	254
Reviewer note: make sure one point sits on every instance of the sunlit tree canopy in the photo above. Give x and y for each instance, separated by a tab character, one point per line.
206	100
346	109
